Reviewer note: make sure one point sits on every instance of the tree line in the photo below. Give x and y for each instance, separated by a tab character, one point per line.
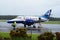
8	17
54	19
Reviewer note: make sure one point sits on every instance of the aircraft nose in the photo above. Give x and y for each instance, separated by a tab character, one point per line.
9	21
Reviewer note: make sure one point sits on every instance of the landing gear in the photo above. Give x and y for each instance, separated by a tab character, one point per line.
34	26
24	25
39	26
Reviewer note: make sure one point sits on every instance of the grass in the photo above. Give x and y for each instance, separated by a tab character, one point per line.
34	36
3	20
6	35
51	22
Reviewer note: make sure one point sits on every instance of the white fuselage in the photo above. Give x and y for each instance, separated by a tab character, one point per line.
23	18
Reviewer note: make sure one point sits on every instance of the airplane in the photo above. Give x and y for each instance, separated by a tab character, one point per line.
31	20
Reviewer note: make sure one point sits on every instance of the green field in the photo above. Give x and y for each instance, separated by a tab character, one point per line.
3	20
51	22
6	35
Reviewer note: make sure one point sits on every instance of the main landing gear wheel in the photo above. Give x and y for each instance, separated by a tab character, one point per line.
34	26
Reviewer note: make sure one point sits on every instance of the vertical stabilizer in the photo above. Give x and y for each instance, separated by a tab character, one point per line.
47	14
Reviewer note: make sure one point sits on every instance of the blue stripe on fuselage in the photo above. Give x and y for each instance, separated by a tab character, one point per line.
15	21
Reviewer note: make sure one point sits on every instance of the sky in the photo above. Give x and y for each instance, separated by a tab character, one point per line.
29	7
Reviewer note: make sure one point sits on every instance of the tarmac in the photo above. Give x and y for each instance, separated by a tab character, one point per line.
5	27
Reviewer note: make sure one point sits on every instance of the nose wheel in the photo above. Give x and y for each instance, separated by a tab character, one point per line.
24	25
34	26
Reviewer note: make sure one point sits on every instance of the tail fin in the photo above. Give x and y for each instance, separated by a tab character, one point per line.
47	14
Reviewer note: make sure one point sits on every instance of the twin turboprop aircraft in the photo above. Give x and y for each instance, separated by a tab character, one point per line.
30	20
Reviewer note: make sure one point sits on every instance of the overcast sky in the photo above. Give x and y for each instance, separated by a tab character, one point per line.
29	7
